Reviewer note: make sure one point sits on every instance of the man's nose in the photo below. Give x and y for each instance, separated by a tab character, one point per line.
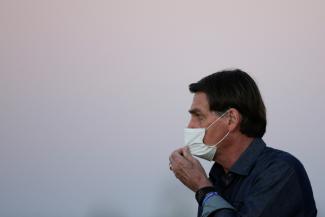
192	124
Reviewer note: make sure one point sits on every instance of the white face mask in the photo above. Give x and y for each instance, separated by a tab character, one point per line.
194	140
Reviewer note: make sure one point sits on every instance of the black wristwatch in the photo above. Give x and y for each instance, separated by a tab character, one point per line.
200	194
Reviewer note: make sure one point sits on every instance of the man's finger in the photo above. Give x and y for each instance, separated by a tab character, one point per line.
173	157
187	154
177	156
186	151
177	159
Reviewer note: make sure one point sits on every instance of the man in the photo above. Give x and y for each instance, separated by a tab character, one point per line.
248	179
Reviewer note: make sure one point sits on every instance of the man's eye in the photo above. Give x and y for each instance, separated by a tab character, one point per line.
201	118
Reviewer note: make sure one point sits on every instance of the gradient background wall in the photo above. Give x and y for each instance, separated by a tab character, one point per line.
94	96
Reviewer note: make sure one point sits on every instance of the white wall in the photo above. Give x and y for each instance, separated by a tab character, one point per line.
94	96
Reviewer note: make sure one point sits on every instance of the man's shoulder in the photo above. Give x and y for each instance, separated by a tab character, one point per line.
272	157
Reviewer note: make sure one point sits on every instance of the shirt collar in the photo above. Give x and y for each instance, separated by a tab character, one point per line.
248	158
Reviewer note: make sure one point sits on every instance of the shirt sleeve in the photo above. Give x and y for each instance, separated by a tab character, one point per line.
276	192
215	203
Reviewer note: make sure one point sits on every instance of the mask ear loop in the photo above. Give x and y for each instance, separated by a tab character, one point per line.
216	120
215	146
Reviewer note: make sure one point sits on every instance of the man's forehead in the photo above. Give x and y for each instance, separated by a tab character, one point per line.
200	102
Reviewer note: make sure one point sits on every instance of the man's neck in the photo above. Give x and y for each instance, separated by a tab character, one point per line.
228	154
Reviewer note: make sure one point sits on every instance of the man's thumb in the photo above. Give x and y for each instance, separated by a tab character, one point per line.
187	154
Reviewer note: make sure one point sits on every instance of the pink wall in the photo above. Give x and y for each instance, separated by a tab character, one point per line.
91	90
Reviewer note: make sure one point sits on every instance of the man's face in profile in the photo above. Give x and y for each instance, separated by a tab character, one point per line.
202	117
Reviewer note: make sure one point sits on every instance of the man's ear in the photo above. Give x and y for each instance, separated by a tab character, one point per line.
234	119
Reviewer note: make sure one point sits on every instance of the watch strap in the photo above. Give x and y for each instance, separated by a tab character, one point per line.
201	193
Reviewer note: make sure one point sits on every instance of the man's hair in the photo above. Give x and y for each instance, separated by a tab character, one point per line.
235	89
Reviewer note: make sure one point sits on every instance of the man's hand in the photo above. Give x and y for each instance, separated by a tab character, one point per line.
188	169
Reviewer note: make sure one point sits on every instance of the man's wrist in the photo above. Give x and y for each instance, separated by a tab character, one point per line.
202	192
203	183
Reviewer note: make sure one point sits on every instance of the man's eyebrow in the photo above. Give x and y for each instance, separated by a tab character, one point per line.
194	111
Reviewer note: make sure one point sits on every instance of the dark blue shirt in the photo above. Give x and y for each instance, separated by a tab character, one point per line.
264	182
